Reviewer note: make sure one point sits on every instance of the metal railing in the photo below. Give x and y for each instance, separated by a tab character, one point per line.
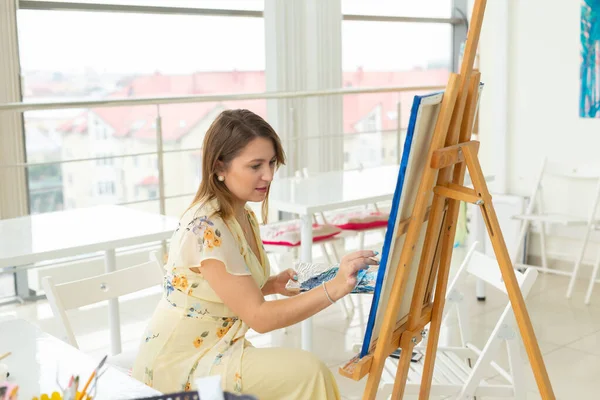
215	98
160	101
213	12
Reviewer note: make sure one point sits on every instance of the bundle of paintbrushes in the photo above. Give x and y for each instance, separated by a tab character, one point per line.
72	391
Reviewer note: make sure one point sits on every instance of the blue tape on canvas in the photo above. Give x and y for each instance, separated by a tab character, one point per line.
392	221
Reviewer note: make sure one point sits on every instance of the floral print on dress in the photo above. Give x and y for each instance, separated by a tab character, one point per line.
174	305
237	383
180	282
200	339
168	285
225	327
196	311
188	386
148	376
207	236
218	358
192	287
224	350
149	336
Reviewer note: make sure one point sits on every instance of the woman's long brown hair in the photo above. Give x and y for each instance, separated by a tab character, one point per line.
226	137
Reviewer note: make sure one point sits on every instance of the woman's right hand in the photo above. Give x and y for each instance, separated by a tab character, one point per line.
345	280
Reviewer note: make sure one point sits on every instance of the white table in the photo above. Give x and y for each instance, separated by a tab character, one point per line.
331	191
42	237
36	357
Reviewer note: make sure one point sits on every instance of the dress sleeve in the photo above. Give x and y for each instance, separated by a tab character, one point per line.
207	238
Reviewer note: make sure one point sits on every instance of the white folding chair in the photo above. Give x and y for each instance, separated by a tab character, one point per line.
593	278
72	295
536	213
460	371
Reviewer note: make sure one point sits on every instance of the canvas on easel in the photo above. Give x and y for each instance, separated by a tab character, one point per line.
419	134
420	237
420	131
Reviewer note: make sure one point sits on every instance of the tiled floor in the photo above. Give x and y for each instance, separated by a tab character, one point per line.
567	330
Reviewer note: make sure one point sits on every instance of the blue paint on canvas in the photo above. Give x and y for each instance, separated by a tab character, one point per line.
589	97
392	221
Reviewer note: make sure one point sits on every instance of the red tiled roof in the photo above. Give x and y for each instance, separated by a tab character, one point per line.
197	83
77	124
358	106
139	121
178	119
148	181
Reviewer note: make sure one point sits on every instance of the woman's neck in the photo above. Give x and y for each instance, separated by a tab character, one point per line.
239	210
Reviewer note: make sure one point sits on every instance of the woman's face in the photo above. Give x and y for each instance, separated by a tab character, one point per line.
249	175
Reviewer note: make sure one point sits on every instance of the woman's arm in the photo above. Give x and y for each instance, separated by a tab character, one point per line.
244	297
267	288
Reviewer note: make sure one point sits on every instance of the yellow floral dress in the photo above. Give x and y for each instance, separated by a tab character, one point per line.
192	334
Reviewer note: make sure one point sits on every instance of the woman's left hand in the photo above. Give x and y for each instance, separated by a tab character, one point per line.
279	282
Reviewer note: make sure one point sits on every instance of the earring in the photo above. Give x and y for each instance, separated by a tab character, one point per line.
221	178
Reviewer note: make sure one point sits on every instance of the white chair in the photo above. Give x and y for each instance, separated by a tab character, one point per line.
593	279
71	295
366	214
460	371
536	213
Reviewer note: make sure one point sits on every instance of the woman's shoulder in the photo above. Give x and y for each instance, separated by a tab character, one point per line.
205	213
201	227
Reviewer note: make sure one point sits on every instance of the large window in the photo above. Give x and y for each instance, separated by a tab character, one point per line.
115	49
82	52
67	55
389	53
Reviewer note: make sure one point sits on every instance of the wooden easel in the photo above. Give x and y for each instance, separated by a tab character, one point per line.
451	151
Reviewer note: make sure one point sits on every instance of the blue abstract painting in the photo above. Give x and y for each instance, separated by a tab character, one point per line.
589	95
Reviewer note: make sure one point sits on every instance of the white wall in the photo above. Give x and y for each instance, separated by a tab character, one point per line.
541	76
544	89
493	63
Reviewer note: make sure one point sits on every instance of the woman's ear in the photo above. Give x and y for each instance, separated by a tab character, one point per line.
220	168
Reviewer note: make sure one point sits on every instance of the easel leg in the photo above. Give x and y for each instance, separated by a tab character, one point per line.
413	335
380	351
407	344
449	229
510	280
